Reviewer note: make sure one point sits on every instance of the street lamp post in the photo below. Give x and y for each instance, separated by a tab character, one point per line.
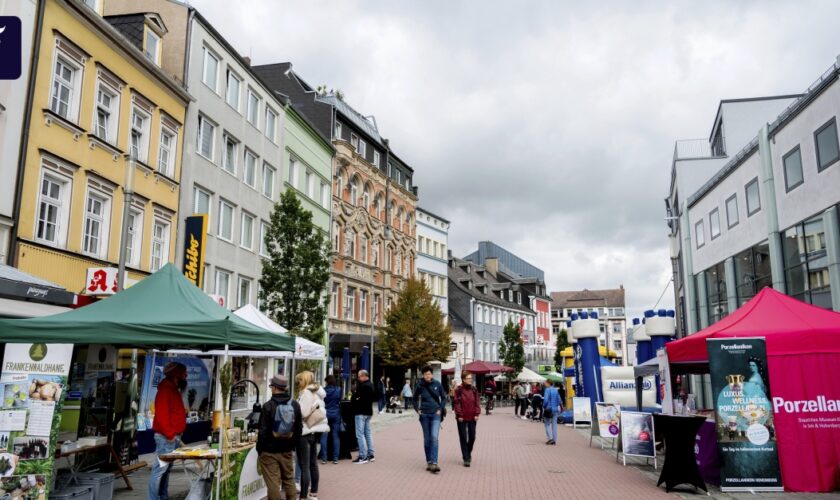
372	324
128	195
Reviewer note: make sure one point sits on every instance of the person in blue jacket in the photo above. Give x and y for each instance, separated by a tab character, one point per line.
551	408
430	403
332	406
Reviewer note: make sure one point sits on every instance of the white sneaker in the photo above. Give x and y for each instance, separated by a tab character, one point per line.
381	412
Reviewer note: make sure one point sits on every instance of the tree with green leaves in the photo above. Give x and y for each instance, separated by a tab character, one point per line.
562	343
511	350
415	332
297	270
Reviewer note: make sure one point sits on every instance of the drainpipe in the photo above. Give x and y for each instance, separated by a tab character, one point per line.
24	139
768	193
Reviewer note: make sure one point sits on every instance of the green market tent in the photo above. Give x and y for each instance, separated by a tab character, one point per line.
163	310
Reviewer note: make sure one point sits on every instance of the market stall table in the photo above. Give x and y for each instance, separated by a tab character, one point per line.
679	434
75	467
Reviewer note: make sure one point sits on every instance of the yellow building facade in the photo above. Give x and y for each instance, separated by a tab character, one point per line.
100	107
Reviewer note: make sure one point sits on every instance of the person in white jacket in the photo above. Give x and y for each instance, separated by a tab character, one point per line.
314	415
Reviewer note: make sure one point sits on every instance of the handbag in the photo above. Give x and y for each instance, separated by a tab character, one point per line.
317	416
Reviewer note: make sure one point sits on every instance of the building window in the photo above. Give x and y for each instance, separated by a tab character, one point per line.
107	113
376	159
250	174
309	184
366	197
338	130
244	294
362	148
334	300
293	172
753	198
325	195
354	141
732	211
134	239
354	190
363	305
350	243
223	284
139	136
211	69
716	292
374	254
97	224
160	245
699	234
270	124
166	152
263	234
793	169
53	209
714	223
752	272
363	248
806	263
201	201
229	160
206	137
225	230
246	231
268	181
152	50
65	89
253	107
350	303
234	85
826	145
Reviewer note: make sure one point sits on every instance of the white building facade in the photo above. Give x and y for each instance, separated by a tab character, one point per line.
432	250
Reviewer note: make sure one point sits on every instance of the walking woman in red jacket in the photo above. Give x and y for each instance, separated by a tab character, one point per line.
467	409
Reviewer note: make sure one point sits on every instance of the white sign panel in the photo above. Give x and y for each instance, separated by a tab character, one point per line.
101	281
48	359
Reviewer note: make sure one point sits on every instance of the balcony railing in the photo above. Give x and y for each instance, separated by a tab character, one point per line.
688	149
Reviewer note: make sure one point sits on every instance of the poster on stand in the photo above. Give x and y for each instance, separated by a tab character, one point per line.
637	434
197	395
582	410
665	391
33	384
608	419
744	415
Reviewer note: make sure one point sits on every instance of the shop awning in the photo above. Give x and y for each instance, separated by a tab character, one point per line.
163	310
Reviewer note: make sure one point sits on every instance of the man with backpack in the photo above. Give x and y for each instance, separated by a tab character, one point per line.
281	426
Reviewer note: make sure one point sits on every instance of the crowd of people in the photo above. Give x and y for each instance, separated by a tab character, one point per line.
296	433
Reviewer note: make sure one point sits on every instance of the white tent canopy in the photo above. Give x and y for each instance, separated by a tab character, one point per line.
526	375
304	349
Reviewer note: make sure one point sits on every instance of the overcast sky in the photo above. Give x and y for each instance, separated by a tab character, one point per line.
547	127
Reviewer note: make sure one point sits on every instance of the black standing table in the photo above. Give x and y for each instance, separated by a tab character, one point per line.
348	437
679	433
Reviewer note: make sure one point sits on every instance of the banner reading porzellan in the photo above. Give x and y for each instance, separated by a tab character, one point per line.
744	415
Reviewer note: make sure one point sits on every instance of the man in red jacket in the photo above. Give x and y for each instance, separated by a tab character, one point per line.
170	422
467	409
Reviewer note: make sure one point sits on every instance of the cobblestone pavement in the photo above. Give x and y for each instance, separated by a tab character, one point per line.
510	461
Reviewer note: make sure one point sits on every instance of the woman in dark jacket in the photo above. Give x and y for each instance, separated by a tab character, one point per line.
331	403
467	407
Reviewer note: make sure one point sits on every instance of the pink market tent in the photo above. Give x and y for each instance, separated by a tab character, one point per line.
803	358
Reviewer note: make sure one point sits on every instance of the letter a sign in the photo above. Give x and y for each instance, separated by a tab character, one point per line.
195	237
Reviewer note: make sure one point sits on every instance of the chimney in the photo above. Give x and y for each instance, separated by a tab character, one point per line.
247	60
492	265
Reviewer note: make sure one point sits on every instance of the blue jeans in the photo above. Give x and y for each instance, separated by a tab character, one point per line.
430	422
363	435
381	402
159	479
551	426
334	421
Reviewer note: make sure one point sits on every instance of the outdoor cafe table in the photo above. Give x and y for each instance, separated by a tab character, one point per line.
205	460
679	434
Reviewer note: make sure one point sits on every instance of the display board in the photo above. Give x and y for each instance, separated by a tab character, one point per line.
608	419
619	386
33	385
246	480
581	411
637	434
196	396
744	415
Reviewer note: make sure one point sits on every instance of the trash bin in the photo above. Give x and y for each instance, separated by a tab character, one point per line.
73	493
101	482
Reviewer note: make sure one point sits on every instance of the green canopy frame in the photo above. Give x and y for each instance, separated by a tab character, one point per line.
164	310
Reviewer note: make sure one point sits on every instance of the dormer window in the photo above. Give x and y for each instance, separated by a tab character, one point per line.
152	47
